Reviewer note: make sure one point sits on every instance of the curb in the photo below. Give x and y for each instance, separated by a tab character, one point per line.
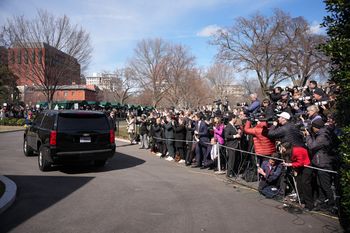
9	195
122	140
10	131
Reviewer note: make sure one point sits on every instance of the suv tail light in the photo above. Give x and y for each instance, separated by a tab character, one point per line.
111	136
53	138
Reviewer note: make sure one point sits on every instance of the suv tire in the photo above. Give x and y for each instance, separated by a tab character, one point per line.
99	163
44	165
27	150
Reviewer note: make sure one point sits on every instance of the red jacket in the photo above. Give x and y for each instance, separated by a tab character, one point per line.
300	157
262	144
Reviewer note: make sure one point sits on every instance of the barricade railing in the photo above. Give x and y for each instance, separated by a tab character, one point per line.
217	151
247	152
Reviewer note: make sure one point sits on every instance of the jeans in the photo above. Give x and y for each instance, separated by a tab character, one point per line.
144	141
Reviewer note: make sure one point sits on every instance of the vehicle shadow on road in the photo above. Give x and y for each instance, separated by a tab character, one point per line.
118	162
36	194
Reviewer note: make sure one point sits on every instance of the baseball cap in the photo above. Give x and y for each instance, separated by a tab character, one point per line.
285	115
318	123
319	91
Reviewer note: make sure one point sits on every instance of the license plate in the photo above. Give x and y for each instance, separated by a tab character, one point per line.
85	139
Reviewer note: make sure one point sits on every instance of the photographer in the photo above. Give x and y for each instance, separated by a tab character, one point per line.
201	136
144	132
275	95
285	131
332	88
268	108
270	172
320	146
298	103
297	157
112	120
169	136
285	96
254	106
180	137
131	121
159	135
219	137
232	139
284	106
312	85
190	146
321	100
312	112
262	144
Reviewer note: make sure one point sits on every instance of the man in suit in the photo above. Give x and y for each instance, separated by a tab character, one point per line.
232	139
202	137
169	137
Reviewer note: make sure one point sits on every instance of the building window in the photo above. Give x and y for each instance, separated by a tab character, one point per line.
26	56
65	93
13	57
33	56
40	57
72	93
19	56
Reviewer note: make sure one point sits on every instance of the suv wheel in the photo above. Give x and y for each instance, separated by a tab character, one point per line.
28	151
44	165
99	163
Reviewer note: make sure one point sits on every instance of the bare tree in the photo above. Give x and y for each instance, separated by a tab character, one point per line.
150	67
43	42
304	60
220	76
121	85
180	64
195	93
253	45
250	85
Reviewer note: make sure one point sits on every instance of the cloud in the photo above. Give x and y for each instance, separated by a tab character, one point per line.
208	30
315	28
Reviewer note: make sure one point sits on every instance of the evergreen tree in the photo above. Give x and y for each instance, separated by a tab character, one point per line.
8	87
337	48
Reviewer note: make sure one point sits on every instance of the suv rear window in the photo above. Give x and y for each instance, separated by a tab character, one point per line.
69	121
49	121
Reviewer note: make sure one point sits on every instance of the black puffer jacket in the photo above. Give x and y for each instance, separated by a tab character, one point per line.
143	127
158	132
286	133
320	146
169	130
180	135
189	131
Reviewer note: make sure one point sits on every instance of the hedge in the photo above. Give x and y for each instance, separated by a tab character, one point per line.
12	121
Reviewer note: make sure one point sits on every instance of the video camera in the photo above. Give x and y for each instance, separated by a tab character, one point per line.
321	103
217	102
243	104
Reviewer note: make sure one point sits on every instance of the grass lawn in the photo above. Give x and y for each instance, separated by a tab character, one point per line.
4	128
122	130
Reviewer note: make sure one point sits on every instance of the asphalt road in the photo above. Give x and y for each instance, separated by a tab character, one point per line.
138	192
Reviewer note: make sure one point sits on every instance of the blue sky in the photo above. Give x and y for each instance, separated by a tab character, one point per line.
116	26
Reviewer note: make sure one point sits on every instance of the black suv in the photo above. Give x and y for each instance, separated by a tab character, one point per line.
65	136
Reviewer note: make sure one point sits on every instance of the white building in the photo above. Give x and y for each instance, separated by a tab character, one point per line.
103	81
234	90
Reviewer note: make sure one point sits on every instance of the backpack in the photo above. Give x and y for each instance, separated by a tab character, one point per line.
250	174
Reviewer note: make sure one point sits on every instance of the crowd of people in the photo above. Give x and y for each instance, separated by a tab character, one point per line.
286	142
